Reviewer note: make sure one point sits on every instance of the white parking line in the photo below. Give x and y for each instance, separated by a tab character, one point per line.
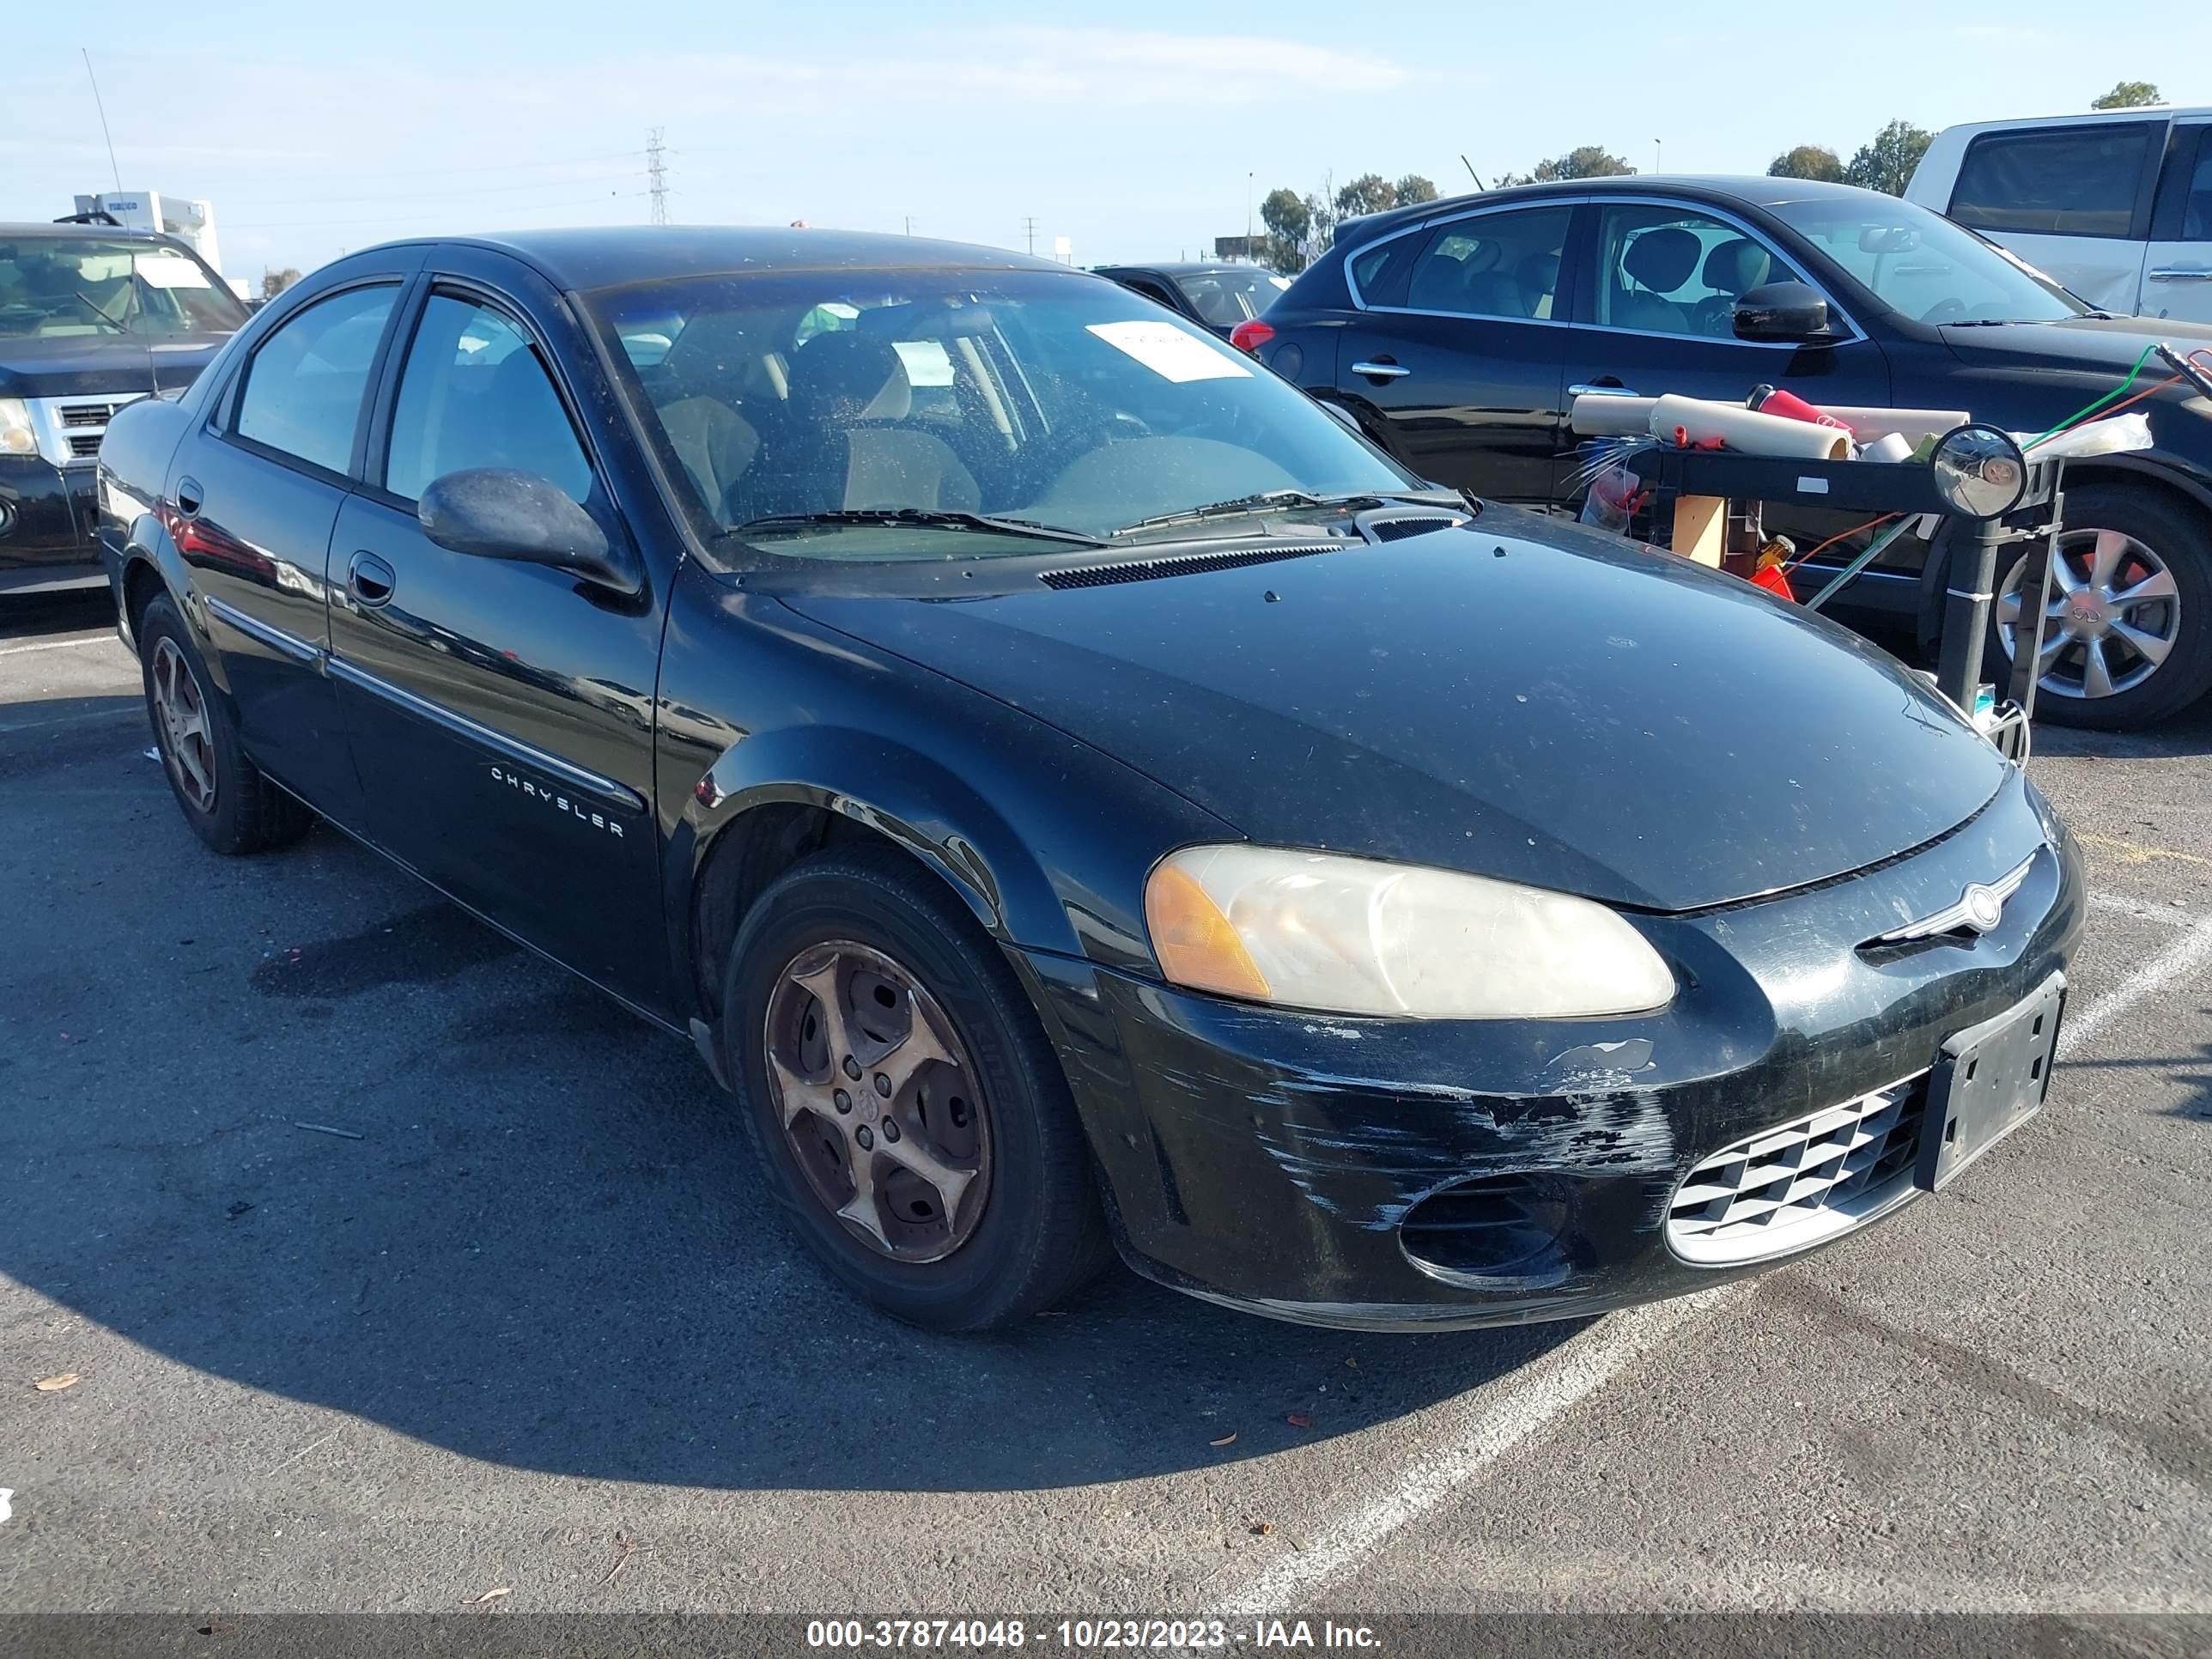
1479	1430
57	645
2172	916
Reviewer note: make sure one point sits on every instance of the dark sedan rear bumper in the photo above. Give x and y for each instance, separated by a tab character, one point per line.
1435	1175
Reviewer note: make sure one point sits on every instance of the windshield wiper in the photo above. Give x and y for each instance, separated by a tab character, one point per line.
93	306
926	518
1261	502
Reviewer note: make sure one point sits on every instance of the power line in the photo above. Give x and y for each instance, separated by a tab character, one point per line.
656	174
465	189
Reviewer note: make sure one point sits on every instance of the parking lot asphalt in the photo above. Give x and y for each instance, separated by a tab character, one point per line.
526	1321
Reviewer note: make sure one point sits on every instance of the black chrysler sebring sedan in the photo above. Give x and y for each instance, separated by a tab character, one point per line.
1077	794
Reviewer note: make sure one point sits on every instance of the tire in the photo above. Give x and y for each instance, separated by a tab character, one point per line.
230	803
2141	530
1026	1230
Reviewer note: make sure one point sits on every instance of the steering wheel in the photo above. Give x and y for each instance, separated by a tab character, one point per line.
1945	310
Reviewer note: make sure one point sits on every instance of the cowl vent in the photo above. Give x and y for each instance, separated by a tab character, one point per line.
1186	565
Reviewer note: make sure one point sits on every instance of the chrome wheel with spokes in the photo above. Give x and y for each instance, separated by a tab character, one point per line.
877	1100
2112	621
181	721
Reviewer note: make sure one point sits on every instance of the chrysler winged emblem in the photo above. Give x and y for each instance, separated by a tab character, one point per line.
1979	908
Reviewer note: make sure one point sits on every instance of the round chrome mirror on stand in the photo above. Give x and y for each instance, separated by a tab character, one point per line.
1980	472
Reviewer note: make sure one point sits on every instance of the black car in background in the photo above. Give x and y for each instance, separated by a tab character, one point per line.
91	318
1459	332
1220	295
1074	790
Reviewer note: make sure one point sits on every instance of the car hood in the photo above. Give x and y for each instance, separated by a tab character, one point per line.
1518	698
82	365
2096	344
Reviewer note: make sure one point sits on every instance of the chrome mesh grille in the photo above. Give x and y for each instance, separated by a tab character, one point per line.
1796	1184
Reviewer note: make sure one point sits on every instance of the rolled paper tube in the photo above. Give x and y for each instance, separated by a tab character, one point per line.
1911	424
1746	431
1792	407
1601	415
1890	447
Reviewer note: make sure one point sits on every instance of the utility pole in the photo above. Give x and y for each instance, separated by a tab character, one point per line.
1658	155
1028	225
1247	213
656	175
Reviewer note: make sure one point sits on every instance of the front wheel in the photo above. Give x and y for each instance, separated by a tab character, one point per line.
911	1117
2127	637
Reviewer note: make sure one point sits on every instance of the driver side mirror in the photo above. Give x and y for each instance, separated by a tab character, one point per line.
499	512
1783	312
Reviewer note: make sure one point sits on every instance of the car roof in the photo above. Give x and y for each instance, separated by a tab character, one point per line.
613	256
86	232
2083	118
1185	267
1749	189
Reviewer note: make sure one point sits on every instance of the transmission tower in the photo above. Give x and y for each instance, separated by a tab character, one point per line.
656	175
1030	225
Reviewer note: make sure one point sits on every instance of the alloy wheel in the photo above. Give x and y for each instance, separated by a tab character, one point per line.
877	1100
2114	618
181	719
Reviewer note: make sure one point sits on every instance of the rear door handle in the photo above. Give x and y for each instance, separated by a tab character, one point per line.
1381	369
189	497
2182	274
370	579
1601	389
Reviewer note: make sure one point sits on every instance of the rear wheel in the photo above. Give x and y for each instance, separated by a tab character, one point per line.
227	801
2127	636
913	1119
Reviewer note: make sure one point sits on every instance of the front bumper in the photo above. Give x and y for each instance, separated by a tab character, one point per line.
1291	1163
48	517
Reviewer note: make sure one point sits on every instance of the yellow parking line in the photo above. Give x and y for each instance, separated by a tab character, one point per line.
2134	852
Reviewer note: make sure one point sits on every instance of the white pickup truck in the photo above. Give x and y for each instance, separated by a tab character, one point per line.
2117	205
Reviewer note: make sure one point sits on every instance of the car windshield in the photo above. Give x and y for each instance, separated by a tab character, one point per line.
1923	266
51	286
795	412
1228	297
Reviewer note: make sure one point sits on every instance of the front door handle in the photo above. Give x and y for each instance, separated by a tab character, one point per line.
1381	368
189	497
2182	274
370	579
1605	388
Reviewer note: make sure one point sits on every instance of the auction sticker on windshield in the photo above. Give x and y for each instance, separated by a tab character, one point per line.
169	270
1170	353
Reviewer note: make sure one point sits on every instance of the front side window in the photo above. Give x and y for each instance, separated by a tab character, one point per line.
54	286
1496	265
2060	181
1921	265
305	384
1665	269
474	393
1049	397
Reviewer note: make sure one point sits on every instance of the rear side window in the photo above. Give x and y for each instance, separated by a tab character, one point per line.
304	388
2056	181
475	394
1498	265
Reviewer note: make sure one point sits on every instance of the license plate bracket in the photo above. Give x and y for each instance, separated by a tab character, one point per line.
1990	1079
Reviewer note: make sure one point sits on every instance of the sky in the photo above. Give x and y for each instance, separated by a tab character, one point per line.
1137	131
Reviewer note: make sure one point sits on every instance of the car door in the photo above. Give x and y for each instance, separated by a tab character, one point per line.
1654	314
2178	263
1453	352
253	495
2073	200
500	712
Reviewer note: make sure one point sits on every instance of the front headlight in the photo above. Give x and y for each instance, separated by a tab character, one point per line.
16	437
1357	936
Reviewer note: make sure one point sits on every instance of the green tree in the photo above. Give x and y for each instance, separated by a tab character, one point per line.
1585	161
274	283
1370	192
1887	163
2129	94
1808	161
1289	222
1414	188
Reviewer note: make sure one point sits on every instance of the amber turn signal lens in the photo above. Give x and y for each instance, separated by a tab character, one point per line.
1194	942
